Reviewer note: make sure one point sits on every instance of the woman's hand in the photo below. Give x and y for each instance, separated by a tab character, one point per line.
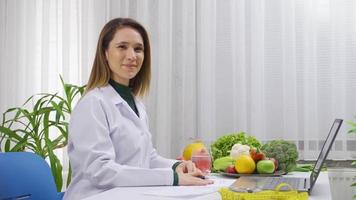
187	167
189	174
194	178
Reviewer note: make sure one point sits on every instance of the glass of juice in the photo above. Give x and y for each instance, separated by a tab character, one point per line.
202	161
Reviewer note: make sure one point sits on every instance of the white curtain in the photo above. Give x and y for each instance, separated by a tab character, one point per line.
274	69
277	69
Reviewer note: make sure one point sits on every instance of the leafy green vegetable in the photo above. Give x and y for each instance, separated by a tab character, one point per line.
220	164
303	167
285	152
222	146
307	168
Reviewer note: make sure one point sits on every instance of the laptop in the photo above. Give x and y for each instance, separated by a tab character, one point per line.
255	183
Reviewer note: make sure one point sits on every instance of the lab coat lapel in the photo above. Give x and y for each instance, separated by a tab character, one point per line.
124	107
142	113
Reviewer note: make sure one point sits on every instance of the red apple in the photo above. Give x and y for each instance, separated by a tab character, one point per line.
257	155
231	169
275	162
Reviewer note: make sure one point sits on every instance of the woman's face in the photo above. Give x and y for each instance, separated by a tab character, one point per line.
125	55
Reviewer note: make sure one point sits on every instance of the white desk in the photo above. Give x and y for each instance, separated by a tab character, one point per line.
321	190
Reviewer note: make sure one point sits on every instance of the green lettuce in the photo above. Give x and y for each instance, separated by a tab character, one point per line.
222	146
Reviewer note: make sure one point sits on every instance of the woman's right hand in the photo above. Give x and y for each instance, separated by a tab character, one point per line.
193	178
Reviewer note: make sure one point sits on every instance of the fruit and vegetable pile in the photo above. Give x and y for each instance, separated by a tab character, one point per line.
244	154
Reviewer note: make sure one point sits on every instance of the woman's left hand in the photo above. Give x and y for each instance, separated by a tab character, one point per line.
187	167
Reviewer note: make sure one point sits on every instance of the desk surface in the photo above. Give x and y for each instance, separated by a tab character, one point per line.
321	190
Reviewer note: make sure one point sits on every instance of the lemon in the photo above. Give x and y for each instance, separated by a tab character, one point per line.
192	148
244	164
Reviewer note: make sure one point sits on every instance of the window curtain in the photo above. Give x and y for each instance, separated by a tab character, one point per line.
277	69
274	69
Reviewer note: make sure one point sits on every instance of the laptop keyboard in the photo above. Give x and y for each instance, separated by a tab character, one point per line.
272	183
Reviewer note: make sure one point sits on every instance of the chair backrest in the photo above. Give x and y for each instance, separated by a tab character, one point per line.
25	175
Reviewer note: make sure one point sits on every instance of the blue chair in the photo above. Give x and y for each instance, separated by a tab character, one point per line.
25	175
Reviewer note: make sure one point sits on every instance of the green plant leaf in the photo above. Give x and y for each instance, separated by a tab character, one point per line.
17	115
69	176
56	166
352	130
58	142
31	97
63	128
7	145
44	110
40	102
28	116
10	110
58	108
29	127
46	124
10	133
20	145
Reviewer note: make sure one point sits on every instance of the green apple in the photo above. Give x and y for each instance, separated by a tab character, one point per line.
265	166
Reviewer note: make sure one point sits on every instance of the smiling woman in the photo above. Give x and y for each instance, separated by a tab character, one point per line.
125	55
275	69
109	141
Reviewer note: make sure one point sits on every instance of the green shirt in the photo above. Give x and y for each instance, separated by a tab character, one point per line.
126	93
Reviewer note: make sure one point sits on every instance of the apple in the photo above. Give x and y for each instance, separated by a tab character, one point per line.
265	167
275	161
257	155
231	169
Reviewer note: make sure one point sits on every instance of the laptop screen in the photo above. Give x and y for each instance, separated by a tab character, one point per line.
325	151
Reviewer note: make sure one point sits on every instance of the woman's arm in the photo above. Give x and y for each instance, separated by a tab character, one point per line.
185	172
92	153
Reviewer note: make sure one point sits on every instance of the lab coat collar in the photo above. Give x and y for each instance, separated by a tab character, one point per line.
114	97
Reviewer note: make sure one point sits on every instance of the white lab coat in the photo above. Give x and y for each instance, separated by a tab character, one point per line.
110	146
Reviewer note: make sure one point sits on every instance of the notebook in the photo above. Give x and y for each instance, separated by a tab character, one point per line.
254	184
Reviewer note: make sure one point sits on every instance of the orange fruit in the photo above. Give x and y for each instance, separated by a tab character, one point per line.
244	164
190	149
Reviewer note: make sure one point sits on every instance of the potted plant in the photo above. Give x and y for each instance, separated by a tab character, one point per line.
41	127
353	130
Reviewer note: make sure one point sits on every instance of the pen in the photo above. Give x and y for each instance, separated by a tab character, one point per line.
202	177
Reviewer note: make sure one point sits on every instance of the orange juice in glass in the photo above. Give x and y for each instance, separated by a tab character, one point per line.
202	161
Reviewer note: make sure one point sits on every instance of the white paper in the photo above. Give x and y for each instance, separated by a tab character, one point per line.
191	191
222	182
182	191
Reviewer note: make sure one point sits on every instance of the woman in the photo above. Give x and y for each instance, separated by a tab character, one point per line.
109	139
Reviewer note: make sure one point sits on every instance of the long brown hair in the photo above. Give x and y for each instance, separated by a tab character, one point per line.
100	72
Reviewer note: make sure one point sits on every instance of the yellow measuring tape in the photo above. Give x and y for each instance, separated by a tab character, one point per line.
275	194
